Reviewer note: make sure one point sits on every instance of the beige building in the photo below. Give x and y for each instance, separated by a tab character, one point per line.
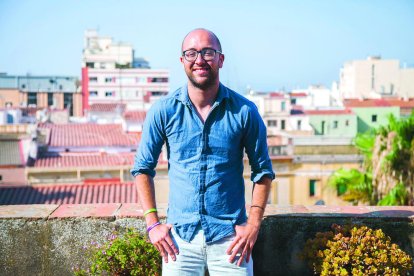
55	92
375	78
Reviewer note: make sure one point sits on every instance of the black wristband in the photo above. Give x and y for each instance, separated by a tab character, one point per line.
257	206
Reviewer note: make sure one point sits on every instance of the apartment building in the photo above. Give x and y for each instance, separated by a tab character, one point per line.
112	74
376	78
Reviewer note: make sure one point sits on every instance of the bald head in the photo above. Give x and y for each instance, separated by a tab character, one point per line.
198	31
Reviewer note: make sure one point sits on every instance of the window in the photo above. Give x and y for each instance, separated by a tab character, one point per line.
347	122
312	187
110	94
282	124
283	106
335	124
32	98
90	65
68	102
272	123
93	79
93	93
49	99
1	177
299	124
292	101
110	79
374	118
157	80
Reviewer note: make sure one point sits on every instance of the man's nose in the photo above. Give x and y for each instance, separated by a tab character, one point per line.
199	59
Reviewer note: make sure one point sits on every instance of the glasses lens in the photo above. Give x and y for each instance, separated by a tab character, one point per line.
190	55
208	54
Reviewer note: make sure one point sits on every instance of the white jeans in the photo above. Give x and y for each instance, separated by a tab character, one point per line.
196	256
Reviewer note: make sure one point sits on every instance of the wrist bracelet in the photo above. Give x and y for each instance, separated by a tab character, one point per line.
152	210
153	226
257	206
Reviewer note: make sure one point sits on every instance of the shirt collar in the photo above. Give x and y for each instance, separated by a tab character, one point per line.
183	97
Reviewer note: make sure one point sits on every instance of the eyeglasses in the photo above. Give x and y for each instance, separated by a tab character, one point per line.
207	54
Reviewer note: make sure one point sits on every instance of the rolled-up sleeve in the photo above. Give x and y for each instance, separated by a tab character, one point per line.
255	143
152	139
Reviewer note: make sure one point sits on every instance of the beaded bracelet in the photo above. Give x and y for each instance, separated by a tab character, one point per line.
152	210
153	226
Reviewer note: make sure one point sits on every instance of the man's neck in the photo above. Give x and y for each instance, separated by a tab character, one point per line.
202	98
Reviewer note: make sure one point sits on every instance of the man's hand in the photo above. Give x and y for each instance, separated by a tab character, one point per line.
246	236
161	239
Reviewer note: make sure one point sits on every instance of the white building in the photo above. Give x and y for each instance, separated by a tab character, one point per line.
375	78
111	74
101	52
137	88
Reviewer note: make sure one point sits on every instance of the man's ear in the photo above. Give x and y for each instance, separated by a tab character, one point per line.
221	60
182	59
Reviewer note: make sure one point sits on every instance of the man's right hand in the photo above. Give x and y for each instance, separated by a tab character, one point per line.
160	237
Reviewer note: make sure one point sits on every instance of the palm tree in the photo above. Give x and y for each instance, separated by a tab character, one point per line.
387	173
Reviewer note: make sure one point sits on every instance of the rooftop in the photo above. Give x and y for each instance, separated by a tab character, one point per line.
70	194
65	160
409	103
107	107
328	112
136	116
40	83
89	135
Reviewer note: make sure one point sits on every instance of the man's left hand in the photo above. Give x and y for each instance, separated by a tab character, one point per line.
246	236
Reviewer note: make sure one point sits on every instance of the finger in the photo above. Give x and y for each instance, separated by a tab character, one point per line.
171	244
169	226
169	250
243	254
249	253
234	242
163	253
237	250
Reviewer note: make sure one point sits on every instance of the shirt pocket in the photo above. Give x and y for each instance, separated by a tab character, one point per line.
183	146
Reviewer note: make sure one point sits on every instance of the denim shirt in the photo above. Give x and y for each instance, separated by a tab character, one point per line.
205	161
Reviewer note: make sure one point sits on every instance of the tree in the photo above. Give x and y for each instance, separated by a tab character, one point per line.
387	173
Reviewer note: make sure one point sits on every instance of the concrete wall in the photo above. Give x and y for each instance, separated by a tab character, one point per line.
49	239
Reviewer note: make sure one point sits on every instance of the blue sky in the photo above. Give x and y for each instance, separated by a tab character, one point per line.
268	45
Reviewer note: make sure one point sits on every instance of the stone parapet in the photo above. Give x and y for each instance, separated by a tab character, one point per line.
49	239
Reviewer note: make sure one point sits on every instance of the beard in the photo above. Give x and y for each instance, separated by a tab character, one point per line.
205	83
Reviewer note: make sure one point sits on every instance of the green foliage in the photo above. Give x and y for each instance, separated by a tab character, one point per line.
129	254
355	250
358	185
386	176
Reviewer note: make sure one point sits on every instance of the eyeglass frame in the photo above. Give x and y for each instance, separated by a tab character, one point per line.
200	52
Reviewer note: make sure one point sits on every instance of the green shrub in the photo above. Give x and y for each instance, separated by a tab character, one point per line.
128	254
355	250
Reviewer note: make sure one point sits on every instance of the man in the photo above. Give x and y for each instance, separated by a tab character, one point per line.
206	127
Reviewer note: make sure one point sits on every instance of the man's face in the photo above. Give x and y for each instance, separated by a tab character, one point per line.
202	74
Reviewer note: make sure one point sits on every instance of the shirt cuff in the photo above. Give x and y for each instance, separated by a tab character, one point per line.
257	176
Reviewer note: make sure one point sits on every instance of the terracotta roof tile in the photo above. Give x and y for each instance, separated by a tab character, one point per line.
329	112
64	160
70	194
136	116
107	107
93	159
89	135
379	103
298	94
